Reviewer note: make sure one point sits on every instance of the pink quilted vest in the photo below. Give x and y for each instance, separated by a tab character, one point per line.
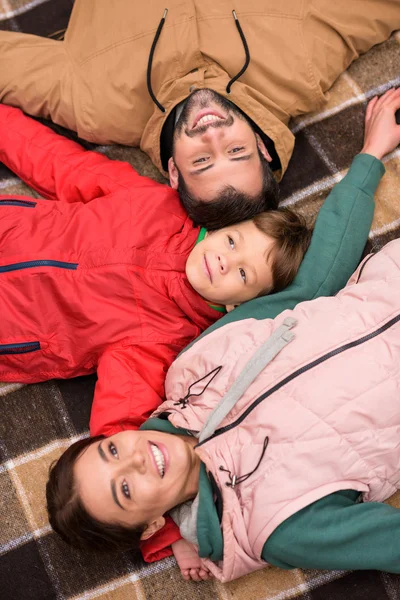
323	416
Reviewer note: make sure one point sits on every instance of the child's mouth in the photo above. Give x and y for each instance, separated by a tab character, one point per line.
207	269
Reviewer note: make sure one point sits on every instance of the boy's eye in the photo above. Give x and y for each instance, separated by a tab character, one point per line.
243	275
113	450
200	160
125	490
231	242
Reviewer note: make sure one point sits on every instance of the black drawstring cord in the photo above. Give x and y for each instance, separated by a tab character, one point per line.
184	401
233	479
149	64
246	49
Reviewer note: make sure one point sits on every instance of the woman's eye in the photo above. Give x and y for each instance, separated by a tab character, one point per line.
237	149
125	490
243	275
231	242
200	160
113	449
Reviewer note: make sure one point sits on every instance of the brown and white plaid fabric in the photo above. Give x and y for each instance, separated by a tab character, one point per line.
37	422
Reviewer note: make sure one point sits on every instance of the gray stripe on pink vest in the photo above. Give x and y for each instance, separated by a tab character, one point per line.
264	355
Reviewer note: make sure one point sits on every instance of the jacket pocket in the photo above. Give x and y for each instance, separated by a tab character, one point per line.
19	348
15	202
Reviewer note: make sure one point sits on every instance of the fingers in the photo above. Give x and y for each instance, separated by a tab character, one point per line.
205	575
199	574
391	99
370	108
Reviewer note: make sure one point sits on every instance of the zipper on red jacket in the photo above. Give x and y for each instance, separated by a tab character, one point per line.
21	348
15	202
299	372
30	264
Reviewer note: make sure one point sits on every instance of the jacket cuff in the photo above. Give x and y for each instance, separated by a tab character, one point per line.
159	545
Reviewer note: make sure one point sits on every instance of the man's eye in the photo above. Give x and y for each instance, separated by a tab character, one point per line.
243	275
113	450
236	149
125	490
200	160
231	242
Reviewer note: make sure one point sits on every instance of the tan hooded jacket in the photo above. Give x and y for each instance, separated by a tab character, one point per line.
95	81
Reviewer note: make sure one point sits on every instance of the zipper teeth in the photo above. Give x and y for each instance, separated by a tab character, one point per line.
21	348
13	202
362	268
300	371
38	263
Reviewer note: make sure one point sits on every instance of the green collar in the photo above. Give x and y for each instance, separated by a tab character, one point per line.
209	534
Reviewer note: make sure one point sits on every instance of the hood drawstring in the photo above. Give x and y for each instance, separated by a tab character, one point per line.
184	401
234	479
154	44
150	63
247	52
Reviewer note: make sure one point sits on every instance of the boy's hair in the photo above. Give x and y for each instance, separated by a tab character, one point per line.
292	238
69	518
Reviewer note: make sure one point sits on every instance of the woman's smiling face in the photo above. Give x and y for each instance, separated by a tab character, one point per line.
135	477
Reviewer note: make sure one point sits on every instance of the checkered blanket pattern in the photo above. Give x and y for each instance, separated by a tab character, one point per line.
37	422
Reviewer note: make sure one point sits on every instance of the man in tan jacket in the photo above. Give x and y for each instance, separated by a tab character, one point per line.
205	88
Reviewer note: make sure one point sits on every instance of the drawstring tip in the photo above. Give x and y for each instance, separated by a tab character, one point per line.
234	15
165	13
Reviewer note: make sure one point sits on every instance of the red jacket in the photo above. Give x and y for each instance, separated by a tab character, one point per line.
95	281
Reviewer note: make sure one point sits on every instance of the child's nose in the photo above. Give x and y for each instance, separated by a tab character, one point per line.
223	264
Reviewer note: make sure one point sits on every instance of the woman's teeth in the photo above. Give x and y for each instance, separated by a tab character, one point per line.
159	458
208	118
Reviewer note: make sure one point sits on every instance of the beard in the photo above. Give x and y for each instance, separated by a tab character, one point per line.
202	99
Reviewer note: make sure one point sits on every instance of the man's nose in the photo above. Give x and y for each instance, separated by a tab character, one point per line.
213	135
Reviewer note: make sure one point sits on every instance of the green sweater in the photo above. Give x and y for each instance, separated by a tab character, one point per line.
336	532
340	234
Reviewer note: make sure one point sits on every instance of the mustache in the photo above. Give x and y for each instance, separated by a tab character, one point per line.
228	122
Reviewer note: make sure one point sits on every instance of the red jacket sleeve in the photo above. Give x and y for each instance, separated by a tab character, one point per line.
159	545
130	387
58	168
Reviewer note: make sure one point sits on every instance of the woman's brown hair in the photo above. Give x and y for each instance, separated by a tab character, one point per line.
69	518
292	238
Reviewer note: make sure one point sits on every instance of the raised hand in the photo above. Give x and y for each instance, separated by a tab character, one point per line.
382	134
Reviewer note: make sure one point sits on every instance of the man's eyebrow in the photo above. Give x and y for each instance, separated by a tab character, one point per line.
245	157
114	494
199	171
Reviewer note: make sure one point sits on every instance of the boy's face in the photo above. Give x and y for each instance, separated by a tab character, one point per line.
135	477
232	265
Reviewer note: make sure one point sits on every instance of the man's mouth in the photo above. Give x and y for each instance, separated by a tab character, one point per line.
206	116
159	459
207	269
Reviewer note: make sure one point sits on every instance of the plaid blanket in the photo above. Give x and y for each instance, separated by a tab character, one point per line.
39	421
